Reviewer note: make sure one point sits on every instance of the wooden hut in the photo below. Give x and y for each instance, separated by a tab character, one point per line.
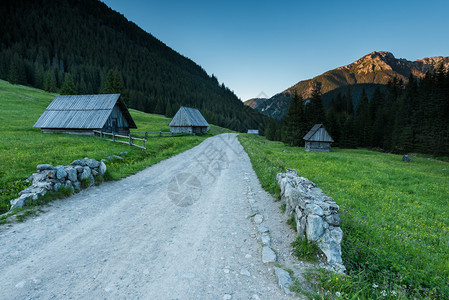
318	139
253	131
188	120
81	114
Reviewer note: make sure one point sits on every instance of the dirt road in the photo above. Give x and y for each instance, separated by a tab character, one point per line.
177	230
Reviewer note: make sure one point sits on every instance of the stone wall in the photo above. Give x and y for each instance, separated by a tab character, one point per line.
315	213
49	178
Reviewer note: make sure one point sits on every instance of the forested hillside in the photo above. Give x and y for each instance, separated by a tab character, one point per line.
401	118
41	42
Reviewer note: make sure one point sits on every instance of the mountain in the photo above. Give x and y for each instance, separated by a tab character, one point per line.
255	102
376	68
44	40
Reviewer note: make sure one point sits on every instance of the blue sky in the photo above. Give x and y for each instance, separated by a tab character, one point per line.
265	47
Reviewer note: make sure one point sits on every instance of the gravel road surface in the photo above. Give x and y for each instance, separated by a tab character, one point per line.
177	230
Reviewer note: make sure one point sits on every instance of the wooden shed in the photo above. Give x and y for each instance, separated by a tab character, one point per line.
188	120
318	139
81	114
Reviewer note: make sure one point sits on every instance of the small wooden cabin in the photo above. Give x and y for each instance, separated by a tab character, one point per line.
318	139
81	114
188	120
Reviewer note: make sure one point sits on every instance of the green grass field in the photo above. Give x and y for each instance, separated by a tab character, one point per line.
395	216
22	147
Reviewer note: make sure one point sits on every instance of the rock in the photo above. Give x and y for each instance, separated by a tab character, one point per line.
91	180
121	154
110	157
268	255
21	201
43	167
301	227
258	219
29	179
266	240
68	185
284	279
76	186
44	185
61	174
245	272
102	168
118	157
333	220
406	158
285	151
94	172
227	297
263	229
57	186
314	228
85	174
92	163
314	209
78	162
71	174
330	245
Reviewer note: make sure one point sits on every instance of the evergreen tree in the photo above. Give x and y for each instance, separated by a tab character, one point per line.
168	110
68	87
13	74
363	121
50	82
293	129
349	103
315	113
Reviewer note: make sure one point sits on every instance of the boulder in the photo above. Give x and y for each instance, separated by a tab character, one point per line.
92	163
268	255
314	209
117	157
71	174
333	219
21	201
79	162
68	185
284	279
76	186
57	186
85	174
43	167
94	172
102	168
79	169
314	228
61	174
406	158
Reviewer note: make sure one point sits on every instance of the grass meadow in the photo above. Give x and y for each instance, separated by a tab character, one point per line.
22	147
395	217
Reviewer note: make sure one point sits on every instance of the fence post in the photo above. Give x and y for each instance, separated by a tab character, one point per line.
146	134
130	140
160	133
143	143
113	137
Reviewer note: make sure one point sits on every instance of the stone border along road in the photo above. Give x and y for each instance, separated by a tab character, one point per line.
129	239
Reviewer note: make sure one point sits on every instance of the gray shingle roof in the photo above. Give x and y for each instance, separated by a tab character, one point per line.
318	134
82	112
187	116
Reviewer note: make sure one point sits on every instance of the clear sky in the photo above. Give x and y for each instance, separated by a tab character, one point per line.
264	47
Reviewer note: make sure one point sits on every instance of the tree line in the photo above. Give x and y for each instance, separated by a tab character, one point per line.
412	117
72	46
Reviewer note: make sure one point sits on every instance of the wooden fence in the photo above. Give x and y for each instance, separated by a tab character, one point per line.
116	138
147	134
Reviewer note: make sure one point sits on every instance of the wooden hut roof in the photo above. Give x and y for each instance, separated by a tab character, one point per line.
318	134
187	116
82	112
